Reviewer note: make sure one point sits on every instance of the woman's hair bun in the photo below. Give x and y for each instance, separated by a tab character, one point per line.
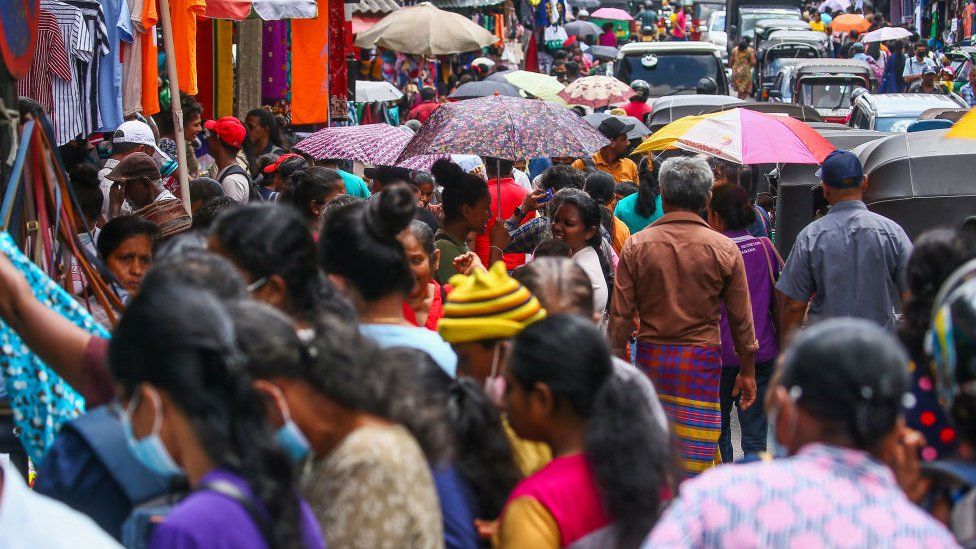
446	172
85	175
391	212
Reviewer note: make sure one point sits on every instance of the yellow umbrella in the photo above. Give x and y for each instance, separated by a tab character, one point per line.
543	86
666	136
965	128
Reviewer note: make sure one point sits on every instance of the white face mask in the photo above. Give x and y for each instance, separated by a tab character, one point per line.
495	383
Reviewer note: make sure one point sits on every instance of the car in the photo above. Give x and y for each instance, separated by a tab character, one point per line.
894	112
714	32
672	68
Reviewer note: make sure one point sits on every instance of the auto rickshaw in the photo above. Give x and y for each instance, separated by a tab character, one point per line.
666	110
765	27
785	45
919	180
826	84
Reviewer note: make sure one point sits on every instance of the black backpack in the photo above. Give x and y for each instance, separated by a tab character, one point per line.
253	195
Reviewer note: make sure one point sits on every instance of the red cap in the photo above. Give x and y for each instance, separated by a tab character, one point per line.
277	163
229	130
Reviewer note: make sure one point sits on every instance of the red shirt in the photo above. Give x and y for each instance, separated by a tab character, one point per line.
637	109
433	315
679	24
512	196
423	111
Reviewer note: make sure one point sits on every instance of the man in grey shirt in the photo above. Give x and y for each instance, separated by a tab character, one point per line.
851	261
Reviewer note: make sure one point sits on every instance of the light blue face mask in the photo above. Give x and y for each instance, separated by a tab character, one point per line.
289	437
778	450
150	451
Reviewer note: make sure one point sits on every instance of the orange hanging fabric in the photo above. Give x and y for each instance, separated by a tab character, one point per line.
309	68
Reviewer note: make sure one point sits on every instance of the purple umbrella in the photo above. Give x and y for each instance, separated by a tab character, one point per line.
509	128
377	144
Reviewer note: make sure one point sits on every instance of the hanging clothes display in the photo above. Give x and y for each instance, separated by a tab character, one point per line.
274	63
224	68
66	94
94	18
118	26
149	62
310	64
132	61
184	15
50	61
41	401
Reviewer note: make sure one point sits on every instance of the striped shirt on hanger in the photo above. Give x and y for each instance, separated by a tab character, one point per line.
65	94
50	61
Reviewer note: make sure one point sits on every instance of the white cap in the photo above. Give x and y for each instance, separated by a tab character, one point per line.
582	13
134	131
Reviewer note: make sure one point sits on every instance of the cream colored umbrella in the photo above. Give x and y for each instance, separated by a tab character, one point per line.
426	30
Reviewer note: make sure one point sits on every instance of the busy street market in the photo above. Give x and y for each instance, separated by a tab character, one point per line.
487	273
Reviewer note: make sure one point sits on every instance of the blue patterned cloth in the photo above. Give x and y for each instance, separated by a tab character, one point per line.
42	402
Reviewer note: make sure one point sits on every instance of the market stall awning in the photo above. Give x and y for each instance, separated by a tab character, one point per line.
375	6
268	10
362	23
455	4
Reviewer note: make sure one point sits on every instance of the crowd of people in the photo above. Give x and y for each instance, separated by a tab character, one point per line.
542	355
604	351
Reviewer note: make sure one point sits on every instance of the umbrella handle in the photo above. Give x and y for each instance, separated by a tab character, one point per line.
498	188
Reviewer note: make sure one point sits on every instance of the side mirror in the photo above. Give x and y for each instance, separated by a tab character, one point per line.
733	32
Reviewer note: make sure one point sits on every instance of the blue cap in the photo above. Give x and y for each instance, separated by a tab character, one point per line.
840	166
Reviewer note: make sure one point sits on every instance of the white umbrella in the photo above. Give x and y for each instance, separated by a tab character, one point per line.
887	33
835	5
426	30
368	92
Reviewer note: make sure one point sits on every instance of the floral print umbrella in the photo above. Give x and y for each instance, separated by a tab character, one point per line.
596	92
510	128
377	144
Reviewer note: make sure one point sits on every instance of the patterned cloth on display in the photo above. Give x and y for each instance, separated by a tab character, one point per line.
687	380
42	402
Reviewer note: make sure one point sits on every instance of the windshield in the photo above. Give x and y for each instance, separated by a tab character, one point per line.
826	95
775	56
893	123
751	17
672	74
961	69
719	23
704	10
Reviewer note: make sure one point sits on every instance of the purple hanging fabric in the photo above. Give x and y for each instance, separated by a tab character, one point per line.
274	65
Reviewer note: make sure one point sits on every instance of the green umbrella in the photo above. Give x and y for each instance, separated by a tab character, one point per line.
543	86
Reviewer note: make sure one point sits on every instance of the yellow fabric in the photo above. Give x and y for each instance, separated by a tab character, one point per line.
310	68
529	456
223	68
666	136
623	169
487	305
818	26
620	235
965	128
526	523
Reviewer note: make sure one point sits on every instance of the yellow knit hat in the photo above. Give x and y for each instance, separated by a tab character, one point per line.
487	305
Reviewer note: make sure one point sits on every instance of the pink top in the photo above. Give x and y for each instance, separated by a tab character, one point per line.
567	489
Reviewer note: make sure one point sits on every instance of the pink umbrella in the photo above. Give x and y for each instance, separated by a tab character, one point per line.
615	14
748	137
596	92
377	144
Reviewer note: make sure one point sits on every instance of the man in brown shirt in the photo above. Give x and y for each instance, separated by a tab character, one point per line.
673	277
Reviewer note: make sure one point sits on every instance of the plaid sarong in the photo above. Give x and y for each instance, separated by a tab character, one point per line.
169	215
687	381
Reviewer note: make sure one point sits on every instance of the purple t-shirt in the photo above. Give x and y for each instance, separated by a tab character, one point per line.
758	256
207	519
